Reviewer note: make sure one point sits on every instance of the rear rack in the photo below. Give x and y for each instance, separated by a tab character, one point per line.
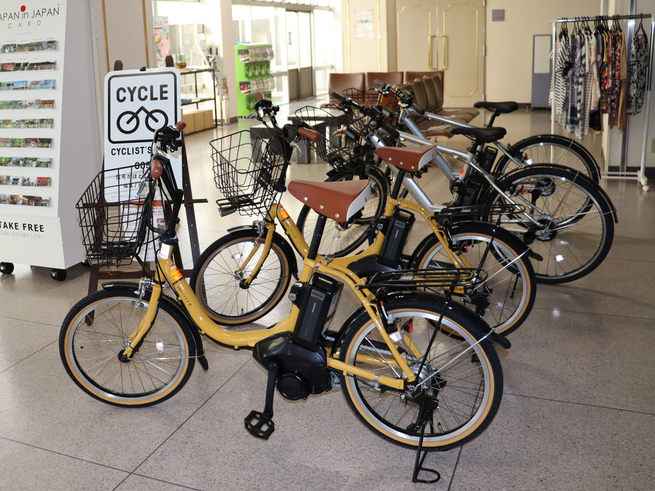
426	278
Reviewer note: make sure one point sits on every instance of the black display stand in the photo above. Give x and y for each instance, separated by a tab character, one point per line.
188	202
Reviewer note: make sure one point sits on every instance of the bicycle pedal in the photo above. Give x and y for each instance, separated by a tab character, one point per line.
259	425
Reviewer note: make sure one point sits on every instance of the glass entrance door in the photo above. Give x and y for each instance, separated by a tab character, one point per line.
302	38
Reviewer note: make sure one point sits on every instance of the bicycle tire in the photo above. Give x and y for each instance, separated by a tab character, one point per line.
536	149
343	239
509	286
467	383
96	331
573	207
216	282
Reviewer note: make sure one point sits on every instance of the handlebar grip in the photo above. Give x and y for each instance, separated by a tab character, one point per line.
309	133
379	83
180	125
156	169
418	108
339	96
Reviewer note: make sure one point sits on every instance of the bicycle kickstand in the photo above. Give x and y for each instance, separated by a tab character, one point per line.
425	416
260	425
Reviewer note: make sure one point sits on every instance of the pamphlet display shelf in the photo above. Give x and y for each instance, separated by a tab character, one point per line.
198	98
47	156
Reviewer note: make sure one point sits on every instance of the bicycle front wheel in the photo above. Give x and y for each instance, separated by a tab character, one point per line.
218	278
550	149
461	377
567	220
95	333
341	239
505	290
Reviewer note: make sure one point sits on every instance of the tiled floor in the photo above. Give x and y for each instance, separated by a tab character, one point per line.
578	410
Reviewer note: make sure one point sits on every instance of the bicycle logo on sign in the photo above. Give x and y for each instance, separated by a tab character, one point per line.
129	121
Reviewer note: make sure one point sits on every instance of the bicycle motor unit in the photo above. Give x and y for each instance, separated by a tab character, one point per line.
299	357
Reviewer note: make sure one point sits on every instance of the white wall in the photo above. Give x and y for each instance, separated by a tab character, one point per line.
364	55
218	23
509	42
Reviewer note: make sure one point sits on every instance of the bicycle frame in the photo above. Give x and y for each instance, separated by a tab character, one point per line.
404	118
469	160
278	212
167	272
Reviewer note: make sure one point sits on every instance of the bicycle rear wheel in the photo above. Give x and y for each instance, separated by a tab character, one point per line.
550	149
461	376
95	333
506	290
341	239
567	220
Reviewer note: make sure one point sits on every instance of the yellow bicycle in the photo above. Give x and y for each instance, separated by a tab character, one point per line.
243	275
415	368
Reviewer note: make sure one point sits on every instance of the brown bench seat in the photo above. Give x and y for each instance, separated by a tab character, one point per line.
428	94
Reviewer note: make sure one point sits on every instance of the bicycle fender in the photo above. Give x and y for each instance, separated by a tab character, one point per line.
615	215
498	339
583	177
481	227
514	149
279	240
133	286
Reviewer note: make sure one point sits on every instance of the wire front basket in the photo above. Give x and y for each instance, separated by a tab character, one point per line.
338	145
248	171
362	98
114	221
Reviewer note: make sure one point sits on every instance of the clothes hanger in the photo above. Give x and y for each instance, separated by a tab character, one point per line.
641	25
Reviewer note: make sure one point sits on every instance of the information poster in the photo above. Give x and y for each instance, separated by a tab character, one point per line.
162	39
32	43
364	24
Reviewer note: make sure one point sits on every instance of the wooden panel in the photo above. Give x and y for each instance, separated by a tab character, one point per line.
414	35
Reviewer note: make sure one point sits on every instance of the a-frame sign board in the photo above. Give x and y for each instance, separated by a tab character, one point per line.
97	275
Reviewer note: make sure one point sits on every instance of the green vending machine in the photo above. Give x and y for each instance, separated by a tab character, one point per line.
253	72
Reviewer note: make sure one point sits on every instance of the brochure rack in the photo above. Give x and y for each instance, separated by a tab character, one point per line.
47	156
253	72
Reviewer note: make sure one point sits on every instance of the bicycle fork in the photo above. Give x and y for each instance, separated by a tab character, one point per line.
135	339
268	240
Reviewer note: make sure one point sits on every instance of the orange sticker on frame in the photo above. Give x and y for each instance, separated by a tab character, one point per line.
283	213
175	273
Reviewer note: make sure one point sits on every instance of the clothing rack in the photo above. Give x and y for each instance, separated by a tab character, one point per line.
639	175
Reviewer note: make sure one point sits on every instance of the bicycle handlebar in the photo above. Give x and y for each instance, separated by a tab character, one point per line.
339	96
156	168
405	96
309	133
371	111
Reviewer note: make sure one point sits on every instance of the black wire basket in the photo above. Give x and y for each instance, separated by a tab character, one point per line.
114	221
366	99
339	143
248	171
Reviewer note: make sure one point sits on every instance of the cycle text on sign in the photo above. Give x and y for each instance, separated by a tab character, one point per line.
142	93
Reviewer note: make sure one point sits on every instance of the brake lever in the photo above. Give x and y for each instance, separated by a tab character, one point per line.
295	145
144	180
